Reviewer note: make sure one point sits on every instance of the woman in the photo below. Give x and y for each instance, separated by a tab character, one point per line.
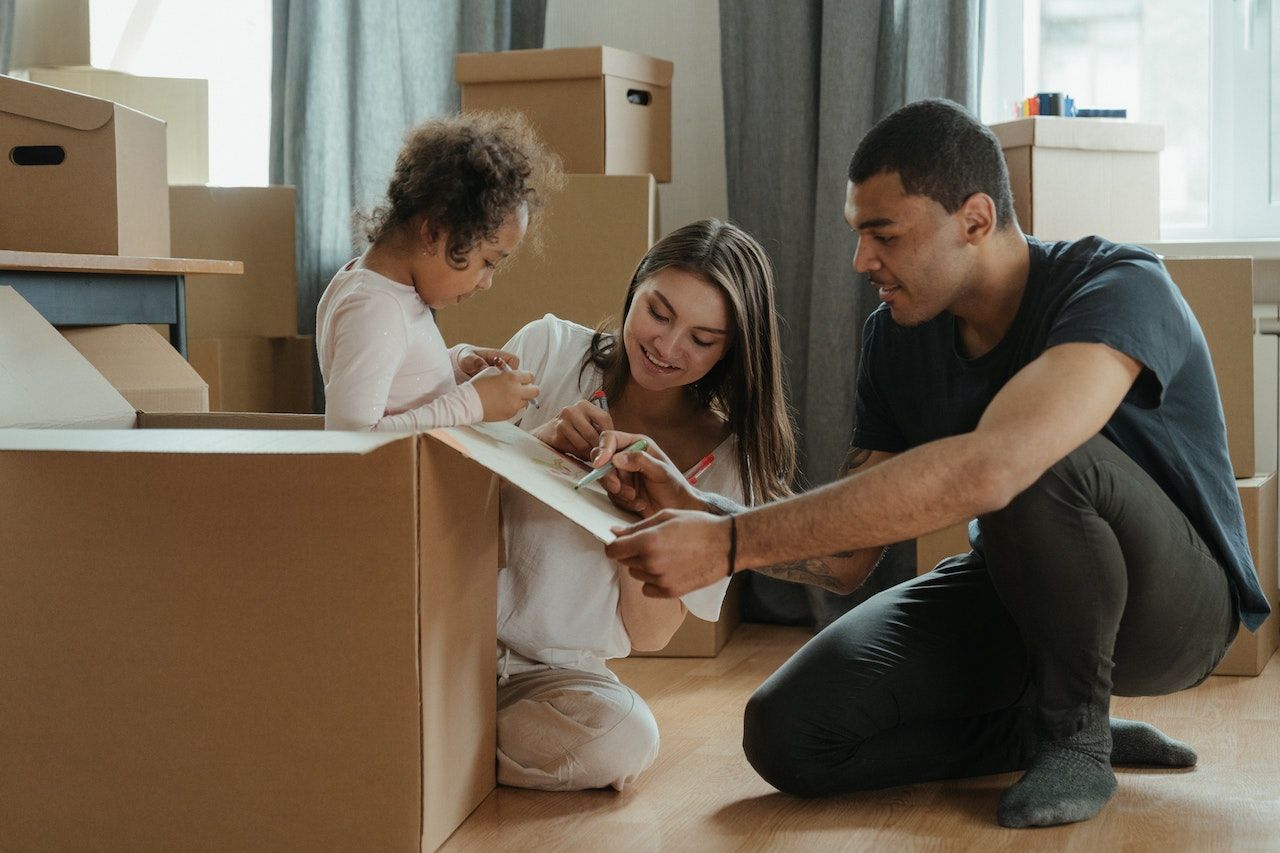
696	366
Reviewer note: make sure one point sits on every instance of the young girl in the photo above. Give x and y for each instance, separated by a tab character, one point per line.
695	366
459	202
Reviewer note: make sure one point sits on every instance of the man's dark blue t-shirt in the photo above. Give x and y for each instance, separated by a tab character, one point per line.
915	386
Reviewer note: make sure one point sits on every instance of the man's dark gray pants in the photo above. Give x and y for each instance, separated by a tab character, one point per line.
1094	583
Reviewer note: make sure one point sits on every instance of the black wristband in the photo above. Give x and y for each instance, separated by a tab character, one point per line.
733	542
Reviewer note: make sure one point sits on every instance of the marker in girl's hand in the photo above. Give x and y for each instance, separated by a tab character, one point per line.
638	444
697	470
506	368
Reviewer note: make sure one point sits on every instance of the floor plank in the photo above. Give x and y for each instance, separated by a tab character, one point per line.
702	795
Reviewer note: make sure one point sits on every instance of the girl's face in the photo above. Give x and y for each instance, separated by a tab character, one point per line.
677	329
440	285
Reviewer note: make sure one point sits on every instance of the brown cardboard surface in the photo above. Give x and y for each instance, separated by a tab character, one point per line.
46	383
255	374
1251	651
108	197
594	234
250	224
578	100
181	103
142	366
697	638
1075	177
933	548
1220	293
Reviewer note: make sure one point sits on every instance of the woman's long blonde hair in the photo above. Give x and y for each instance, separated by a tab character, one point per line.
745	387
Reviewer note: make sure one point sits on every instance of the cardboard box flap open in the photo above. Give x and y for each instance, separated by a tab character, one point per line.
566	63
44	382
54	105
1080	133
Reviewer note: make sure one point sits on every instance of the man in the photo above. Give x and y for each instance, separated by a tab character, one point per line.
1059	393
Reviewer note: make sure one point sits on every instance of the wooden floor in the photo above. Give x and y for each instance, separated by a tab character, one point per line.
702	794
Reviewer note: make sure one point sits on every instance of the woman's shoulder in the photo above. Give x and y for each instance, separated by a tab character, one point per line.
553	336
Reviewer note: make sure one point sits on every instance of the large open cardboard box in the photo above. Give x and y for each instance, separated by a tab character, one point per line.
216	635
1077	176
604	110
81	175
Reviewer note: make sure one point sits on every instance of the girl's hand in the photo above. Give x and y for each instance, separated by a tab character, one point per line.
576	430
503	393
476	359
645	481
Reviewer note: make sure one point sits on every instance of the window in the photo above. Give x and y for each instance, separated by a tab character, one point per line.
227	43
1206	70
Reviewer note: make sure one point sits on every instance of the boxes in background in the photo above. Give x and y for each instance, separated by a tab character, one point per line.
255	374
182	103
50	32
933	548
1220	293
1250	652
604	110
81	175
594	234
1072	177
250	224
142	366
697	638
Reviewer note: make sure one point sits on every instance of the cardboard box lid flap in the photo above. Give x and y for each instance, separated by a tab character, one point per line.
54	105
199	441
1083	133
43	380
134	357
564	63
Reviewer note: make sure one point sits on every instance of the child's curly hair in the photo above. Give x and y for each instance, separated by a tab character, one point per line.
466	173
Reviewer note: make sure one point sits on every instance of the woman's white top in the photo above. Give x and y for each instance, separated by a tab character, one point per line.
384	363
558	593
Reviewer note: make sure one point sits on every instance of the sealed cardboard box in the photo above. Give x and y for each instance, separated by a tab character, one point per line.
1220	294
594	234
81	175
697	638
604	110
250	224
181	103
1250	652
1072	177
142	366
255	374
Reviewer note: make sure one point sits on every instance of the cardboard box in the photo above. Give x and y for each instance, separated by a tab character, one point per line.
1220	293
251	224
1250	652
698	638
933	548
255	374
50	32
594	235
1072	177
604	110
82	175
142	366
220	636
181	103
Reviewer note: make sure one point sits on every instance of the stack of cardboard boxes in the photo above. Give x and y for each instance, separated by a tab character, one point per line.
1074	177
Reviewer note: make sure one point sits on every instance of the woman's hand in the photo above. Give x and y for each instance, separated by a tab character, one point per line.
475	359
576	430
643	482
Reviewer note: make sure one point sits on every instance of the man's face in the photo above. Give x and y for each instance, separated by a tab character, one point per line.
912	249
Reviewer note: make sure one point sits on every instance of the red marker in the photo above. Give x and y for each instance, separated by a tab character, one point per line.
600	400
696	471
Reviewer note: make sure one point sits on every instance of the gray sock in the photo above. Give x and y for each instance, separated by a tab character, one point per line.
1134	742
1069	780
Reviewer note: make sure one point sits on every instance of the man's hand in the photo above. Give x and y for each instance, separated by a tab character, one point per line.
674	551
476	359
645	481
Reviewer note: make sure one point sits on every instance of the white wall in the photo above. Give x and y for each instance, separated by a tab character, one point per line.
687	32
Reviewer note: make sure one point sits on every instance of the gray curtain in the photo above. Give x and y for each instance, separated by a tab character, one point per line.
349	78
6	33
803	82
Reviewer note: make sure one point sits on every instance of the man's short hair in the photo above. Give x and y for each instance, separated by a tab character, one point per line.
939	151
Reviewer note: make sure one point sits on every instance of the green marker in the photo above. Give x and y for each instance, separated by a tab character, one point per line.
638	444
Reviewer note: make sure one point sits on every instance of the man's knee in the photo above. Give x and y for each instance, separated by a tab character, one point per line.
770	727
